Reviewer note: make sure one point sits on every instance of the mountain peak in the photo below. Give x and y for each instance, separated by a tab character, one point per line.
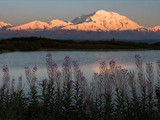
156	28
31	26
107	13
56	23
3	24
36	21
101	12
102	21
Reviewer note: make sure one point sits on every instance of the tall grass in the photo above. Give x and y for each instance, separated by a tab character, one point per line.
114	93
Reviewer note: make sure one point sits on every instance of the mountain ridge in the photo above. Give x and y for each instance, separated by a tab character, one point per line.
99	25
100	20
3	24
103	21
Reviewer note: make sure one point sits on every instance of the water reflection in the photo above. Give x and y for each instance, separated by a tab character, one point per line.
89	61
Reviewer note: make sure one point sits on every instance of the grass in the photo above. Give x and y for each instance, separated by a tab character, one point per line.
113	94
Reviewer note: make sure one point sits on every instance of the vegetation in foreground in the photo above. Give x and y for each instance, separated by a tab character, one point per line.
44	44
113	94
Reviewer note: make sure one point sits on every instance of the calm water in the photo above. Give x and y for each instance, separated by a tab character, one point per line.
89	61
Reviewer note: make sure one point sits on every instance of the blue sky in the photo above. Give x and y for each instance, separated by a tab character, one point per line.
16	12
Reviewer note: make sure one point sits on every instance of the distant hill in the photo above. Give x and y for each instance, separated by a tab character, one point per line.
45	44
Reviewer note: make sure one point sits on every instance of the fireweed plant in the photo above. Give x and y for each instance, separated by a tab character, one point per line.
114	93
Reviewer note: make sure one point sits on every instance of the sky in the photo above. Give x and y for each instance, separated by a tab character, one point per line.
17	12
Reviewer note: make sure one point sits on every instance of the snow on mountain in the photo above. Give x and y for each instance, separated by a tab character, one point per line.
39	25
100	25
4	25
34	25
102	21
55	24
98	21
156	28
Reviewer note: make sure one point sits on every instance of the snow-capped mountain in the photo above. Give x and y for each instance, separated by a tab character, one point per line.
102	21
55	24
39	25
34	25
98	21
156	28
4	25
100	25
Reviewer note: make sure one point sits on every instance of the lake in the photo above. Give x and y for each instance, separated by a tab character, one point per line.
89	61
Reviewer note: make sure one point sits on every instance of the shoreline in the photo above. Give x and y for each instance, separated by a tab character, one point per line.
44	44
77	50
